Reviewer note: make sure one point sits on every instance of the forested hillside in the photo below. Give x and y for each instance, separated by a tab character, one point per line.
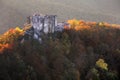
83	51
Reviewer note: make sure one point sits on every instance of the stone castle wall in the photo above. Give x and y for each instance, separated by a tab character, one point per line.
44	24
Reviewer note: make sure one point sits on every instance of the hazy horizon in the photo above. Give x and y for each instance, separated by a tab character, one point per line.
14	12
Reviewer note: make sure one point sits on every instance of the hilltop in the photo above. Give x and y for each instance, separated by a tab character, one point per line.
83	51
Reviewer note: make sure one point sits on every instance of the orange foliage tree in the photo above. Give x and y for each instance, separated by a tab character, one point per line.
8	38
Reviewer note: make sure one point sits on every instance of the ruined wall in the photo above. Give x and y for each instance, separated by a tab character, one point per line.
44	24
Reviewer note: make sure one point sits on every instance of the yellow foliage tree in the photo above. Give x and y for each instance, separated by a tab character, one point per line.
100	63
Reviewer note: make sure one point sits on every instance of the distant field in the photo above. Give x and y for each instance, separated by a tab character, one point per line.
14	12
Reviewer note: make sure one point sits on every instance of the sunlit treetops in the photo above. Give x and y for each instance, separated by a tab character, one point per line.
101	63
11	35
8	38
80	24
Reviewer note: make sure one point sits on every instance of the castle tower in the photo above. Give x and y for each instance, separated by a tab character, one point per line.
45	24
37	22
50	22
53	20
